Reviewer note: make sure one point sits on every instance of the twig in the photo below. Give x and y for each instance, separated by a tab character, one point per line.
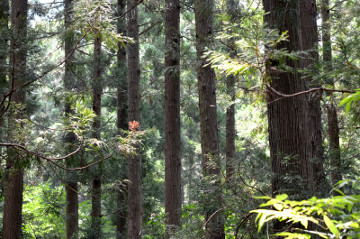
212	216
240	224
81	168
23	148
319	89
12	90
135	5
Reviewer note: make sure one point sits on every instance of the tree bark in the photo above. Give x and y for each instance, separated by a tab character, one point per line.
122	119
288	118
4	19
134	162
172	118
333	125
96	183
231	9
71	187
308	13
208	121
14	178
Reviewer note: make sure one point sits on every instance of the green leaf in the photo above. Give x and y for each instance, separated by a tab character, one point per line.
290	235
331	226
281	197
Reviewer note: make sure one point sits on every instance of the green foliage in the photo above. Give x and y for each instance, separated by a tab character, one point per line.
97	17
350	99
336	217
245	55
43	211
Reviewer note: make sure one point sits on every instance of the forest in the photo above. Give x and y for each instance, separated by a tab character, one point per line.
183	119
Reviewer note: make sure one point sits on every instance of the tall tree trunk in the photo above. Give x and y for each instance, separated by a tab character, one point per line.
288	134
71	187
333	125
308	13
208	120
230	129
172	118
134	162
15	173
122	119
4	19
231	9
96	183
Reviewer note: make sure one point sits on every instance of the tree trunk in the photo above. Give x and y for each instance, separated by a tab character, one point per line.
208	121
230	111
4	19
96	183
134	162
309	44
333	125
14	187
172	118
288	119
122	121
71	187
230	129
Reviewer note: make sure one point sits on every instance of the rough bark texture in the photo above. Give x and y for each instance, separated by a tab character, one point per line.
71	187
230	111
4	19
333	125
208	120
287	117
14	166
308	13
122	119
96	183
172	118
134	162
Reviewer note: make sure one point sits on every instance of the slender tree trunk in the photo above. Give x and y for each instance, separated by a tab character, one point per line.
96	183
208	121
309	43
14	187
230	129
71	187
333	125
134	162
122	119
4	19
288	119
172	118
230	111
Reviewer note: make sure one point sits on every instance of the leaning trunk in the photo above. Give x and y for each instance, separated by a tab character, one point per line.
14	187
134	162
208	121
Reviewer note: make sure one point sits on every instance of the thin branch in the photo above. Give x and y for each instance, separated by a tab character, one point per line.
319	89
212	216
23	148
12	90
81	168
63	182
135	5
240	224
